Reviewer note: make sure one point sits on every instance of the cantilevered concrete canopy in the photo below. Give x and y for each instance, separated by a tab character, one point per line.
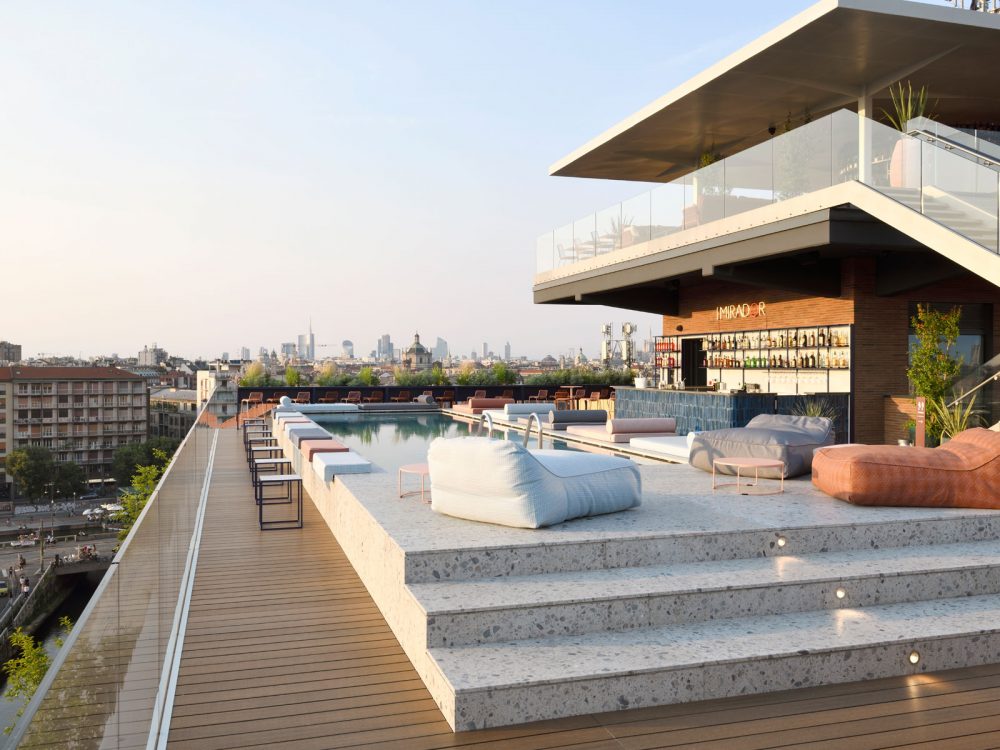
828	57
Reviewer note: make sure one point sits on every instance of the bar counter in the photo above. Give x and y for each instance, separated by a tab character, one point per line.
715	410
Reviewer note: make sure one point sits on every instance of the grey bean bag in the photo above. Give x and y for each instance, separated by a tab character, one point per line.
786	438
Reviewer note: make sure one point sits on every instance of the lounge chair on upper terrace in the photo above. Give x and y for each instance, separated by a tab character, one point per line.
254	398
330	397
542	395
508	394
353	397
448	397
276	397
302	397
375	397
402	396
480	394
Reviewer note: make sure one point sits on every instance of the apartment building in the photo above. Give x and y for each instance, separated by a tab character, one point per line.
172	412
81	414
9	353
795	232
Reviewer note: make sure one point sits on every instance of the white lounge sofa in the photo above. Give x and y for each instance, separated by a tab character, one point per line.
499	481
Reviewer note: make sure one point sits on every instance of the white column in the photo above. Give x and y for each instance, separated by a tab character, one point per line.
865	113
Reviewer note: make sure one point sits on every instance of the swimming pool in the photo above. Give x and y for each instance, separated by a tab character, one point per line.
391	440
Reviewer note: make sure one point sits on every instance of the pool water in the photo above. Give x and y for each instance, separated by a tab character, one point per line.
394	439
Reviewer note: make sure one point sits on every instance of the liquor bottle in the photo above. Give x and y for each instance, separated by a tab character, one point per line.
812	339
771	362
812	361
822	361
821	339
781	364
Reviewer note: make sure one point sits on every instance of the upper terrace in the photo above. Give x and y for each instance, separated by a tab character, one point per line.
839	184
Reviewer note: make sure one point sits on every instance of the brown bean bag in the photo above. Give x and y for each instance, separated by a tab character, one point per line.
962	473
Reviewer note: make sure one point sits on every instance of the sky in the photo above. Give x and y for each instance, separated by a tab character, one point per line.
212	175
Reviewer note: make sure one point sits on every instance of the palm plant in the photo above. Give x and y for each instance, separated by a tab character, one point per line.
815	407
954	419
906	105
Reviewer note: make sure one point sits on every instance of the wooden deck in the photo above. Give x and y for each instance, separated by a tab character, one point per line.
284	647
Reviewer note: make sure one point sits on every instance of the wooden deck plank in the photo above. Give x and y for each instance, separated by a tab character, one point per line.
284	647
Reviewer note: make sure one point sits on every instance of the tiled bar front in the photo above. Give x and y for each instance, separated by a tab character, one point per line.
708	410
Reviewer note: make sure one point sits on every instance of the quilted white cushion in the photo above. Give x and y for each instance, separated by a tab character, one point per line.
499	481
329	465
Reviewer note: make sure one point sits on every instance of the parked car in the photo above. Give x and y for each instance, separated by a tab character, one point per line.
4	587
89	496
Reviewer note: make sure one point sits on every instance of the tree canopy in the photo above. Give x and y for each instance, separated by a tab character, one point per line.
128	458
33	469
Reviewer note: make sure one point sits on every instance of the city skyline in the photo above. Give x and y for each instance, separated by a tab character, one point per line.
208	155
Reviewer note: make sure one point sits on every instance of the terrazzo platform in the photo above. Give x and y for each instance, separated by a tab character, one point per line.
691	596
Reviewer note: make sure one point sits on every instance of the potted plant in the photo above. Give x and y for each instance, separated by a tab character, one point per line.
933	366
904	164
954	419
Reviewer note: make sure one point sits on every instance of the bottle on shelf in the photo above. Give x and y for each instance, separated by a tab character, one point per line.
821	339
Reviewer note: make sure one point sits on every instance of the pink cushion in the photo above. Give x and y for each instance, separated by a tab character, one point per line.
312	446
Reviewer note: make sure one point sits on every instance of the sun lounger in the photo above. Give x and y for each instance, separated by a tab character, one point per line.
623	430
962	473
478	405
499	481
560	419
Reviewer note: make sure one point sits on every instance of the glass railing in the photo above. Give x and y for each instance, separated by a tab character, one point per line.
985	143
952	190
109	685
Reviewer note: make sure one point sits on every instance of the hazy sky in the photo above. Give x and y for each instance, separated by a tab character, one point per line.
208	175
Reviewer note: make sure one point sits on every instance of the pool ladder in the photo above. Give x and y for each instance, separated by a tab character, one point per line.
487	420
533	417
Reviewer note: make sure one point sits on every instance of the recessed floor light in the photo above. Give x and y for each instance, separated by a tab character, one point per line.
841	593
782	541
914	657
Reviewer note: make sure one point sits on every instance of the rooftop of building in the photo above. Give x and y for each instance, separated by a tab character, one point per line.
65	373
823	59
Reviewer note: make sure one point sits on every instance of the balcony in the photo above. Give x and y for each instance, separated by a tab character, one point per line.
744	190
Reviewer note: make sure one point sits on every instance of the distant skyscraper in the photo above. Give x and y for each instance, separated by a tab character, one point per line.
288	350
225	357
245	353
348	347
440	349
150	356
307	345
506	352
384	348
263	352
486	349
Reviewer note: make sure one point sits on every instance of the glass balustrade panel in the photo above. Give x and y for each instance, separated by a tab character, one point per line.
608	237
960	194
749	179
802	160
666	209
545	252
894	163
564	245
584	233
707	195
844	134
636	221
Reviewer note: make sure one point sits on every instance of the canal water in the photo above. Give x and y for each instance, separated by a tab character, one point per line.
49	632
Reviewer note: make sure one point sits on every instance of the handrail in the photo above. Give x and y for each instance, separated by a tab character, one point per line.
994	377
527	430
486	419
950	145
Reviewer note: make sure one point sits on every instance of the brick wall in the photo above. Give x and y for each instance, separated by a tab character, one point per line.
897	411
881	330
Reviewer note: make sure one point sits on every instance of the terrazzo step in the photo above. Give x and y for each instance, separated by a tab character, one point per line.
621	599
528	680
760	535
